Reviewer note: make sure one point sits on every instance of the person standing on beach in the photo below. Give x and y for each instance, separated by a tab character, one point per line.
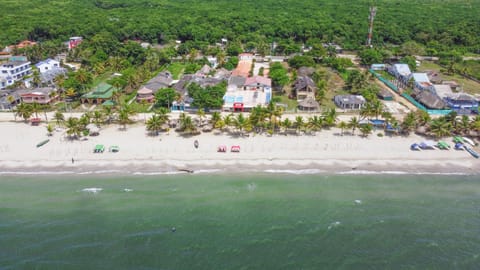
73	160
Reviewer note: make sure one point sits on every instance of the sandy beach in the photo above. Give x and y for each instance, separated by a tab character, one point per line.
325	152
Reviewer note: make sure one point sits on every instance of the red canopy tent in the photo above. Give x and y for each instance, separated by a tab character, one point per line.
235	148
238	107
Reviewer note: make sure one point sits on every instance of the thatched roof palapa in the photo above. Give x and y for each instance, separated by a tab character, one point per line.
308	104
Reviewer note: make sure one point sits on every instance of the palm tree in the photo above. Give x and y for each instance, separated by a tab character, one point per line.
59	117
36	78
73	127
124	115
163	114
422	118
11	100
108	112
315	123
299	123
154	124
98	117
452	118
377	108
440	127
342	125
464	124
36	109
476	123
287	124
216	117
70	92
330	117
366	130
83	77
84	120
354	124
241	123
228	120
49	130
186	124
274	114
115	63
257	118
201	115
60	81
24	110
409	123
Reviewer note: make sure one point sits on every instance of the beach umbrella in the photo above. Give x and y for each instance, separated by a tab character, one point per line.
422	130
473	133
164	126
207	128
93	129
173	123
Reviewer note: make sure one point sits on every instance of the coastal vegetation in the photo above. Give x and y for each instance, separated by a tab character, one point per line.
434	24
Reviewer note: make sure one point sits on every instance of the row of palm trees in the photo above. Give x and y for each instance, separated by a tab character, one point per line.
260	120
269	120
75	127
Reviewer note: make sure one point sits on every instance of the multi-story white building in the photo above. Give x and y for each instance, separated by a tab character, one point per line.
47	65
14	71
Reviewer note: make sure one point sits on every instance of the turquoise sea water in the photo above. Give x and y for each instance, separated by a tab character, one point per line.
262	221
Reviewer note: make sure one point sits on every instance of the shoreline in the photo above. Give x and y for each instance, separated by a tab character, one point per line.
300	167
324	153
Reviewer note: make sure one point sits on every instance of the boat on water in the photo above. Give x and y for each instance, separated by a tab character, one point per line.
472	152
43	142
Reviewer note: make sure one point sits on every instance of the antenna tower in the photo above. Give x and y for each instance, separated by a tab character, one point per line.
373	12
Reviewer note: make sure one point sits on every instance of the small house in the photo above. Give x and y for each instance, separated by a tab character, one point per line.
39	95
304	87
429	99
378	67
421	82
453	85
385	95
462	103
401	72
99	94
163	80
350	102
308	104
46	65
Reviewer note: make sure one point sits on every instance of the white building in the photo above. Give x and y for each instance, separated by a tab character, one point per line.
13	71
47	65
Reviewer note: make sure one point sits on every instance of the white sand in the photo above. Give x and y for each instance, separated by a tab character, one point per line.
324	152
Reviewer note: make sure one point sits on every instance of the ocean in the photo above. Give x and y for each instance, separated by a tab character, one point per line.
240	221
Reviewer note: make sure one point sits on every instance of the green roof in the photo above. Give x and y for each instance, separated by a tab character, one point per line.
103	90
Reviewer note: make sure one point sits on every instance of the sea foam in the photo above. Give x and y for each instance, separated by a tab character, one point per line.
92	190
303	171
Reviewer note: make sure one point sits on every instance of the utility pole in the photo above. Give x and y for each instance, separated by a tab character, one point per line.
373	12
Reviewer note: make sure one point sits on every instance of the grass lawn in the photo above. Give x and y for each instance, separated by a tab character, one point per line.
176	69
291	103
102	78
469	86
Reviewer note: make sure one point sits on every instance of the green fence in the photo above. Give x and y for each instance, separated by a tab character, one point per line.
408	97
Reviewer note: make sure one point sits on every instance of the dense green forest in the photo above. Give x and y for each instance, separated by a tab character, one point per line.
441	25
